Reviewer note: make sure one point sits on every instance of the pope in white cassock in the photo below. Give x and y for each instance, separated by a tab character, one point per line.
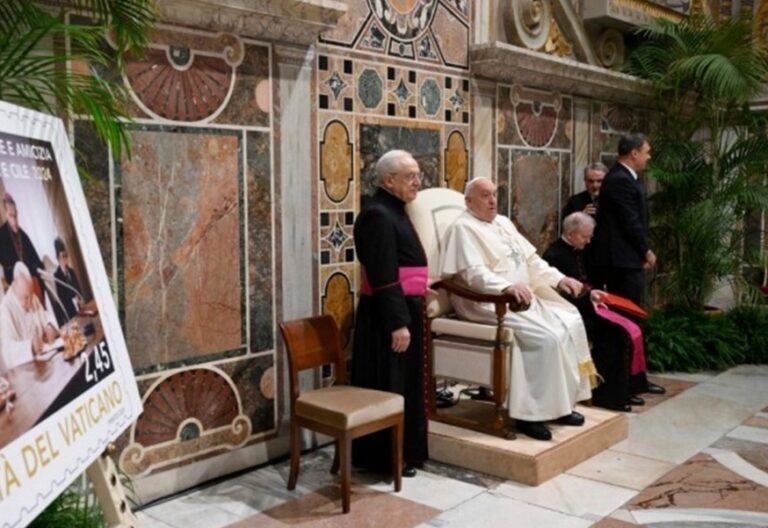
551	367
25	326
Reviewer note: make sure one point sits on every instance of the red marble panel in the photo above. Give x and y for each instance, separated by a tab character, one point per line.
181	246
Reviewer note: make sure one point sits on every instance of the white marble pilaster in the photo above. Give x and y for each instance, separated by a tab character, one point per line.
483	129
582	109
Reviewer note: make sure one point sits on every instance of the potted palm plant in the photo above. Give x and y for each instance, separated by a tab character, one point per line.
709	150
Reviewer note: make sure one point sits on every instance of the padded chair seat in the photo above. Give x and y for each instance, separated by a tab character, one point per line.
345	407
469	330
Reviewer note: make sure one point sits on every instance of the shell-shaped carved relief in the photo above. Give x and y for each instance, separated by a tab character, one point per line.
536	122
187	414
336	161
339	302
201	393
528	22
185	79
456	163
618	118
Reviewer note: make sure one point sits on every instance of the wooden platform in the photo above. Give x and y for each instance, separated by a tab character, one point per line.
524	459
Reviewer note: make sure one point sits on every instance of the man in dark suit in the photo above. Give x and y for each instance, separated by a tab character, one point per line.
587	200
621	250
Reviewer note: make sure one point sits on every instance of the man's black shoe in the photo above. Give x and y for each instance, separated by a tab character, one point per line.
636	400
536	430
575	419
409	471
620	407
655	389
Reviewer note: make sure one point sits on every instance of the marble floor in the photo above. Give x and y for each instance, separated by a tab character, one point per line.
697	456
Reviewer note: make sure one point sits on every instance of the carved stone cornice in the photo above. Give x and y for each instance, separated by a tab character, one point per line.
511	64
627	13
295	21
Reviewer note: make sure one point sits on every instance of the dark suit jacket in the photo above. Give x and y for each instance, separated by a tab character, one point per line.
576	203
621	235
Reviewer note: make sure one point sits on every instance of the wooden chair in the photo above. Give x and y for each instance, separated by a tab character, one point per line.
340	411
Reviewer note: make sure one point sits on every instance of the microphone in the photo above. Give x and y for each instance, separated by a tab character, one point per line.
47	275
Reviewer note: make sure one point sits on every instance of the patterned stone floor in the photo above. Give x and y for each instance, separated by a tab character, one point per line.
697	456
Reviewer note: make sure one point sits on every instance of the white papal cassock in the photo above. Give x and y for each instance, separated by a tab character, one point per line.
550	361
18	327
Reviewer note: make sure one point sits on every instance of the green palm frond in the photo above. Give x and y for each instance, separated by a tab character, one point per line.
35	65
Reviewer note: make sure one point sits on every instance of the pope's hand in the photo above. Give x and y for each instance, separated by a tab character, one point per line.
520	292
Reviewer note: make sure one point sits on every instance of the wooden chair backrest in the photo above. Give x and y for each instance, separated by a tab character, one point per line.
310	343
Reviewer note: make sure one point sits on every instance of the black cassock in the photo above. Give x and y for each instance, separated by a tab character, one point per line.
611	346
67	289
16	247
385	242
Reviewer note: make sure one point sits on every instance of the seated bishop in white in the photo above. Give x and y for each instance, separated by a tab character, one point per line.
551	368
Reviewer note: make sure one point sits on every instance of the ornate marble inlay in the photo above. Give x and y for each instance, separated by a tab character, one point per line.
336	84
431	97
186	414
536	118
369	88
456	162
338	301
176	82
618	118
337	236
336	161
433	31
404	19
402	92
456	100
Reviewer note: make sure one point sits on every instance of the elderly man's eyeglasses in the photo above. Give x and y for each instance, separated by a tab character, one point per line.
411	176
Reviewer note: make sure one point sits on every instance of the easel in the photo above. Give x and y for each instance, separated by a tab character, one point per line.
109	490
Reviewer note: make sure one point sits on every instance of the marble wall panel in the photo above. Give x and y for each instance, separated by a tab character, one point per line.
181	265
255	380
534	193
259	241
336	238
423	143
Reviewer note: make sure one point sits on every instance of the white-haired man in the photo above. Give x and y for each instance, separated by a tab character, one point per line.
25	326
388	351
550	365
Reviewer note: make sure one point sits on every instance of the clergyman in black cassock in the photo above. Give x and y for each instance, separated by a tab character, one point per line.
612	348
15	244
388	350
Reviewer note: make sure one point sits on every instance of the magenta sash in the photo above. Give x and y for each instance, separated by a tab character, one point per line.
635	336
413	280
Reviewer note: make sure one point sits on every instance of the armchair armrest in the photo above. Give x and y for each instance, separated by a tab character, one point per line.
454	287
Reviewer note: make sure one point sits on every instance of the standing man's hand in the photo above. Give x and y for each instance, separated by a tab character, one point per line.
401	338
650	260
590	209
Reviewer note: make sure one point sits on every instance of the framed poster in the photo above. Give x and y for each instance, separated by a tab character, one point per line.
67	388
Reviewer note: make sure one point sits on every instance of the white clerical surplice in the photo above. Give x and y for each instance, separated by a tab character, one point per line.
550	362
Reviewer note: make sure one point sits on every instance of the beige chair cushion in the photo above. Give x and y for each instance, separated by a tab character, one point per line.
469	330
346	407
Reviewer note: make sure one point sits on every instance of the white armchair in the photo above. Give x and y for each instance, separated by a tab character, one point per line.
473	353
